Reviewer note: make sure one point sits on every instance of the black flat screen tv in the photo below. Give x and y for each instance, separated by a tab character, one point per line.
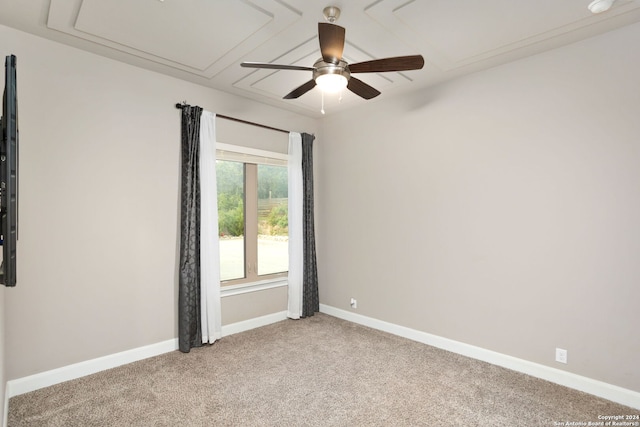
9	174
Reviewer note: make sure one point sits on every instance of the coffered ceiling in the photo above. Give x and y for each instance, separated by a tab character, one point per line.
204	41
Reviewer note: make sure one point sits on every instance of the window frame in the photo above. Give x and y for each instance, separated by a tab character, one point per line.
237	153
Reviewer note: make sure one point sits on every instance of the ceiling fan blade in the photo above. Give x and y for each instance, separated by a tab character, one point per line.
331	39
362	89
274	66
301	90
397	63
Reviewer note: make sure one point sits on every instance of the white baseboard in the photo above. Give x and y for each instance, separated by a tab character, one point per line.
81	369
77	370
256	322
597	388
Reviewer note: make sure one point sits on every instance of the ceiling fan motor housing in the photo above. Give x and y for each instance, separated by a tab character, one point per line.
321	68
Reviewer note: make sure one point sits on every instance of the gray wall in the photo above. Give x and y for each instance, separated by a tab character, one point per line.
99	191
500	210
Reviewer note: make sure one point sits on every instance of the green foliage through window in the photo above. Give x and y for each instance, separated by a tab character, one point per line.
278	219
230	181
230	215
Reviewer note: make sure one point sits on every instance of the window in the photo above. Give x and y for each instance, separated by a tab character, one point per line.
252	214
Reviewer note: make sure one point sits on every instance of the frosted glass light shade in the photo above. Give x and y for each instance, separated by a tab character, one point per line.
331	83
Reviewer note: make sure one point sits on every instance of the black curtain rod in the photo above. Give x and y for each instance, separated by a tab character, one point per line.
179	106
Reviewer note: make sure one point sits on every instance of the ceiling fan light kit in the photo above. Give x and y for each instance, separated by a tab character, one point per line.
331	78
331	73
331	83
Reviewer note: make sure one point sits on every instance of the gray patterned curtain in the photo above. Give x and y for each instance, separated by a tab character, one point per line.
310	299
189	327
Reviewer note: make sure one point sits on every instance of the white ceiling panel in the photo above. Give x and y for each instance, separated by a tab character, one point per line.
201	37
453	29
453	34
280	83
204	41
157	28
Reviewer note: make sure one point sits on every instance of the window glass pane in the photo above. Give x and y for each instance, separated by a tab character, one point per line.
273	231
230	180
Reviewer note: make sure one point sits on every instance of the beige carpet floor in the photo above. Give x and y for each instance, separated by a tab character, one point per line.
319	371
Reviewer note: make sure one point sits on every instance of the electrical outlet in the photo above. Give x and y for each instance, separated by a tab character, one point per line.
561	355
354	303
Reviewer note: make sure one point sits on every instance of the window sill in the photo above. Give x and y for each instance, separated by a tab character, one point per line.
244	288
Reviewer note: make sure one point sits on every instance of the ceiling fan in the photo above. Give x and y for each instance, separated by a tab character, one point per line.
331	72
